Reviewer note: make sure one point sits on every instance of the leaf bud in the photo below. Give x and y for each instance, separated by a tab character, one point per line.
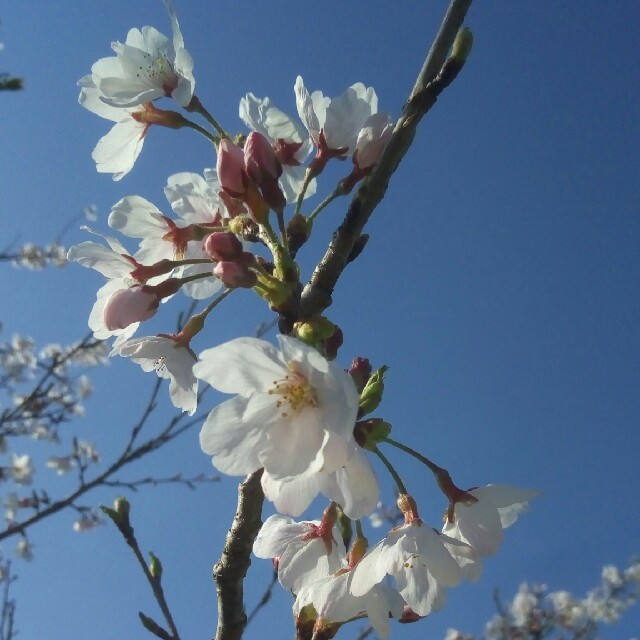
372	393
155	566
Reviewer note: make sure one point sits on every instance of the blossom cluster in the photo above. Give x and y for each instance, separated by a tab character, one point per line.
295	413
41	392
536	612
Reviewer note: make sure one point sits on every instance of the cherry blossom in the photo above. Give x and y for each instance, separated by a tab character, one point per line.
61	464
334	602
335	123
305	551
372	141
480	524
117	151
423	566
295	410
169	358
146	67
24	549
21	469
115	263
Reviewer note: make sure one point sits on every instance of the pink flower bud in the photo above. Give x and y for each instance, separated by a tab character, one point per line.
127	306
237	273
223	246
360	370
230	166
260	160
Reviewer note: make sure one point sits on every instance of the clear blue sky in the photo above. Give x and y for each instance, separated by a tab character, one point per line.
500	283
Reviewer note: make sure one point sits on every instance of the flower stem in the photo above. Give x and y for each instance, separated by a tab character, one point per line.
307	179
196	106
418	456
328	200
392	471
202	130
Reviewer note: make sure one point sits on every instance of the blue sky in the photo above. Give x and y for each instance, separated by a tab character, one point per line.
500	283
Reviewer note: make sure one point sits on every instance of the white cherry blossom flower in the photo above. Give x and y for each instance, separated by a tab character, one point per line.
294	414
481	523
164	239
335	123
61	464
21	469
169	358
87	522
146	67
115	263
372	140
305	551
423	566
118	150
333	602
24	549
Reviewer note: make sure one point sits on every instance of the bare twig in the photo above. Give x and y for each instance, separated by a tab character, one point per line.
176	427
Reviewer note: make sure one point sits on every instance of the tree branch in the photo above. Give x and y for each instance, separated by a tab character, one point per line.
234	562
316	296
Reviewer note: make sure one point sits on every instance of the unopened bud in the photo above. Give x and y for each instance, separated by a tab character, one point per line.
368	433
155	567
223	246
122	507
126	306
237	273
313	331
372	393
230	167
260	162
298	231
360	371
462	45
333	343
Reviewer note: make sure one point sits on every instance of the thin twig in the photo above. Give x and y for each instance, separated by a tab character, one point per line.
130	454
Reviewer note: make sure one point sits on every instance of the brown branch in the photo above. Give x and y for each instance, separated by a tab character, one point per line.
434	77
231	569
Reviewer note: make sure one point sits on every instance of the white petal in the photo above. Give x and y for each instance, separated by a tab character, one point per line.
243	365
231	441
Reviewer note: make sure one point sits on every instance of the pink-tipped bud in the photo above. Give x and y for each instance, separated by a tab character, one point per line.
360	370
237	273
223	246
127	306
260	160
230	166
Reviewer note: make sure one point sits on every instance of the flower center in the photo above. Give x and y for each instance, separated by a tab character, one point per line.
159	71
294	392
